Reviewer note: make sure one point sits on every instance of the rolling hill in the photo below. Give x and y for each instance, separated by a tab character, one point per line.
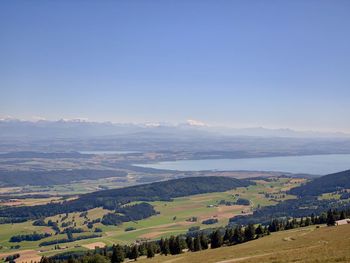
307	200
325	184
116	198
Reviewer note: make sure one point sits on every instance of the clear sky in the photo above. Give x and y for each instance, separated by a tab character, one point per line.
238	63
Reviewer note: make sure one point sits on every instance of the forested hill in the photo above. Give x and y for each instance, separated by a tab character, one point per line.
115	198
325	184
54	177
46	155
172	188
307	202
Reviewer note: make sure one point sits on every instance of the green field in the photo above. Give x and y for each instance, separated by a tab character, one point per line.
173	218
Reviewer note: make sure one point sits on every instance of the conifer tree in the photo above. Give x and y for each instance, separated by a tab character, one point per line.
197	244
228	235
249	232
134	253
71	260
204	241
330	218
150	250
342	215
161	244
189	243
313	218
238	236
178	245
44	260
216	239
307	221
117	254
259	231
165	250
172	245
266	230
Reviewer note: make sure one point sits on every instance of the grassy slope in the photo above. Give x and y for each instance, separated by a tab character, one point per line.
326	244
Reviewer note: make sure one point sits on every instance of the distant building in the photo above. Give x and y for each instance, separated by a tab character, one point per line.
342	222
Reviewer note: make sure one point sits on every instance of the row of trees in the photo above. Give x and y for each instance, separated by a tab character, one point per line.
174	245
69	238
328	218
29	237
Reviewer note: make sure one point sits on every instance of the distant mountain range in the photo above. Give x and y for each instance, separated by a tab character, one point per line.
42	129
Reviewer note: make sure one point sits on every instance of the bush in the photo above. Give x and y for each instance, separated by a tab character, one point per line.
130	228
194	228
242	201
210	221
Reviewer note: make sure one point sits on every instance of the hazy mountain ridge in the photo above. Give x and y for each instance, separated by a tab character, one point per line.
15	129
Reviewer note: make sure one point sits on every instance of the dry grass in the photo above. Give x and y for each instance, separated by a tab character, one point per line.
25	256
326	244
94	245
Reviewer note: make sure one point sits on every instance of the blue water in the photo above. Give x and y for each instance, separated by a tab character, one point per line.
309	164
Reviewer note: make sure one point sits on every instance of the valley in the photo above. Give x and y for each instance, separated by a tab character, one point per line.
172	218
174	131
82	201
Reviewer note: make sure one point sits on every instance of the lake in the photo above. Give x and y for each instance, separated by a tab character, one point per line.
309	164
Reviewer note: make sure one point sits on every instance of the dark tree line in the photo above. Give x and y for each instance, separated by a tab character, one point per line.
69	238
173	245
55	177
328	218
29	237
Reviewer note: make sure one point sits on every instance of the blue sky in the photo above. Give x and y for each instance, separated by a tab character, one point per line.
236	63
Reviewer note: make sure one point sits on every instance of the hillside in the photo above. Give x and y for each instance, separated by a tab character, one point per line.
325	184
325	244
54	177
307	201
116	198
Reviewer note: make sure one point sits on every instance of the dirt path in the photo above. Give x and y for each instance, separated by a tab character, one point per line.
173	260
244	258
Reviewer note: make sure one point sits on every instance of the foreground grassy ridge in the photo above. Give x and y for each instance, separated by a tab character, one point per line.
311	244
162	225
